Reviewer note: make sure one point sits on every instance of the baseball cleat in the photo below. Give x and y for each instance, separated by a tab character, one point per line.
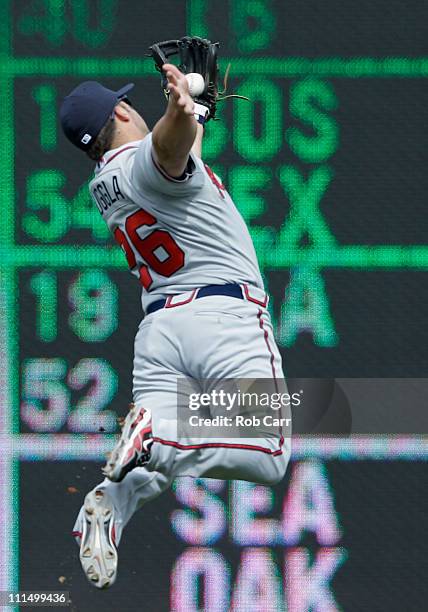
133	448
98	553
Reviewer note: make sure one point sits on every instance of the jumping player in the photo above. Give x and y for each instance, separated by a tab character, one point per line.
203	299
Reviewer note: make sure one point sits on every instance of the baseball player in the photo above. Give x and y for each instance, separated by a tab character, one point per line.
202	294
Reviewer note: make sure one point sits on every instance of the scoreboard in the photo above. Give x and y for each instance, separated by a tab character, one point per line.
327	164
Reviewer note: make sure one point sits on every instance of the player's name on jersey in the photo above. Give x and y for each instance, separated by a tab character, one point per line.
106	195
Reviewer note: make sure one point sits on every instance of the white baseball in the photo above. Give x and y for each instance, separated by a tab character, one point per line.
196	83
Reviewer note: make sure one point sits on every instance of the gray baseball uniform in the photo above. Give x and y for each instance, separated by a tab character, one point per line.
180	235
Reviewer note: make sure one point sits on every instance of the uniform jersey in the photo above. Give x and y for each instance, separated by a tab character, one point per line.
177	234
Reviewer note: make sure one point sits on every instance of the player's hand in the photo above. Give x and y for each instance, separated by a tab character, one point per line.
178	88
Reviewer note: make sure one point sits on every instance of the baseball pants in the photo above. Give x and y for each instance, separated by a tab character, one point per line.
215	337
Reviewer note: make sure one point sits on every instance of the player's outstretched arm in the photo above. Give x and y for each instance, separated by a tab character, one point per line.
174	134
197	145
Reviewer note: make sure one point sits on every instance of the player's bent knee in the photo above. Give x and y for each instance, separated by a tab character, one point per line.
275	472
269	471
277	468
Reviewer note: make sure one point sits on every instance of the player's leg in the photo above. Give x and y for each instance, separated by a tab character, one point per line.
154	412
223	338
212	338
215	338
103	516
243	333
110	505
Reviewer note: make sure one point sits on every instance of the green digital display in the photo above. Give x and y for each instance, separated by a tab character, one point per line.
287	157
326	163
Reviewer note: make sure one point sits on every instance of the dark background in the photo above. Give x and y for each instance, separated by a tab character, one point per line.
377	197
381	510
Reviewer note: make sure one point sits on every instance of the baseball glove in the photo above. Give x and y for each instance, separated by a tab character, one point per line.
195	55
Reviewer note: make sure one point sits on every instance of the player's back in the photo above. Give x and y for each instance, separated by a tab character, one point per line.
178	234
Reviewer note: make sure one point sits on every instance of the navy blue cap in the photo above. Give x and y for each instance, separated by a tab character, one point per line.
86	109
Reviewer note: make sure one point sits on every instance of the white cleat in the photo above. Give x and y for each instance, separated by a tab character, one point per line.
98	553
133	447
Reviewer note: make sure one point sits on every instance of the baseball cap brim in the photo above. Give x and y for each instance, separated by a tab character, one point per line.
121	93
